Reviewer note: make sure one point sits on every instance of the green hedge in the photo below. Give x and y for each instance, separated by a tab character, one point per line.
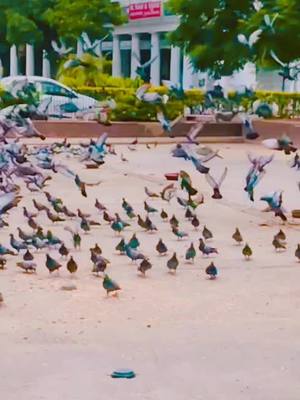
288	103
129	108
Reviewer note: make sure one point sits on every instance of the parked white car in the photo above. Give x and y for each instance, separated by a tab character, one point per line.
56	98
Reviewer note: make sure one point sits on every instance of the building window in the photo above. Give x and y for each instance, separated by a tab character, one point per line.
165	64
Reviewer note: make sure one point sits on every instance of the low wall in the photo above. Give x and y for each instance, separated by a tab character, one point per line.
276	128
89	129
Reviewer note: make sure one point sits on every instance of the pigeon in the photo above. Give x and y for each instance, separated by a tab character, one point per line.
81	186
247	252
253	38
96	249
216	184
252	179
134	255
188	214
164	216
178	233
39	206
149	209
100	263
199	166
284	143
281	235
150	194
237	236
27	266
206	233
54	217
297	252
29	214
195	221
278	245
52	264
72	265
68	213
5	251
134	242
212	271
173	263
121	246
63	251
206	250
190	253
100	206
31	222
107	217
174	221
52	239
141	222
17	245
110	286
117	226
144	266
3	262
143	93
27	256
181	151
161	248
274	202
85	225
150	227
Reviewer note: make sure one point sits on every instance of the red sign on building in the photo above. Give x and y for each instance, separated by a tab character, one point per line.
149	9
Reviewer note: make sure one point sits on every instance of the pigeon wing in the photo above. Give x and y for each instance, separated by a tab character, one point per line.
223	176
254	37
211	181
275	58
149	62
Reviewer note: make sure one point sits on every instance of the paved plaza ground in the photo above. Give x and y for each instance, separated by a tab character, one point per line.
186	337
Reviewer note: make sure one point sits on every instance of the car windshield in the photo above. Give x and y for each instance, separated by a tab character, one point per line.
52	89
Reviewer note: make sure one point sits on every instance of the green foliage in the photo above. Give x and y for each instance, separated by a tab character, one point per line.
94	75
87	70
70	18
129	108
40	21
209	30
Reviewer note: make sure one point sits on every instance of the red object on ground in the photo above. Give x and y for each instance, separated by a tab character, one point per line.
172	176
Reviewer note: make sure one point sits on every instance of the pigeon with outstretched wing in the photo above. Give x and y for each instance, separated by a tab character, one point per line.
60	48
141	69
251	40
216	184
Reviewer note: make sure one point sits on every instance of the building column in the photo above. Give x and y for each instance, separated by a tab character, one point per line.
29	59
135	55
46	65
13	70
190	78
116	58
175	71
155	53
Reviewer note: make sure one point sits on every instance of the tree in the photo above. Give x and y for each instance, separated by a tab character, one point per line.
95	17
41	21
221	36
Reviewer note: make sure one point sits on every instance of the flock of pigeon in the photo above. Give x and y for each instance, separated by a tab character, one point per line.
31	168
